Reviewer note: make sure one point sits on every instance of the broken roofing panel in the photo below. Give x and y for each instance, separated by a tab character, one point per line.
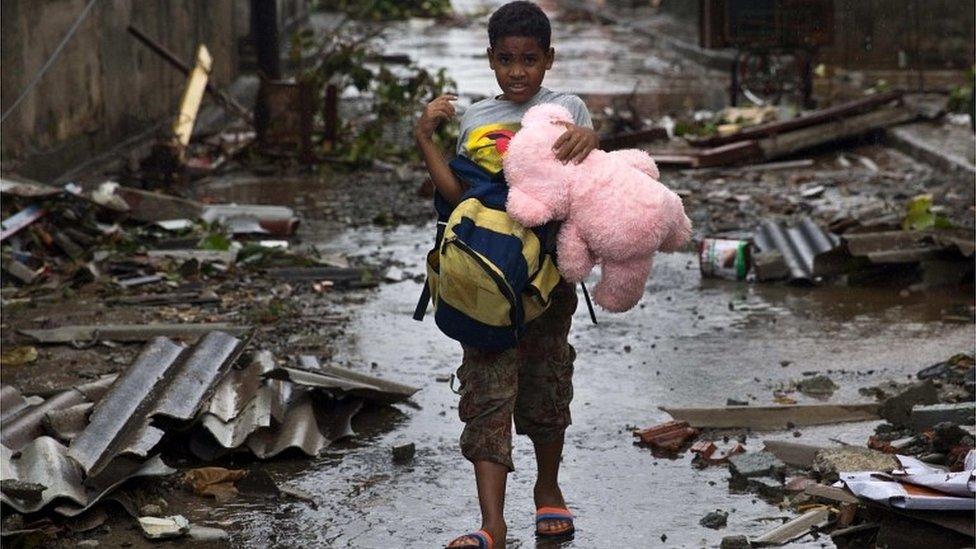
22	427
43	462
244	401
166	380
309	426
799	245
348	381
12	402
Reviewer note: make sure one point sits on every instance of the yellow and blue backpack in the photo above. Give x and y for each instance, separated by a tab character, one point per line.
488	275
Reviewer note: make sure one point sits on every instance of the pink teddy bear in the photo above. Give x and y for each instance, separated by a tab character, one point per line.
614	211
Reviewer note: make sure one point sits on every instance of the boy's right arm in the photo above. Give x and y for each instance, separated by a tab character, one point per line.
437	111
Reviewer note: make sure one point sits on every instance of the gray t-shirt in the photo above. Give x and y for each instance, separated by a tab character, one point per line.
488	125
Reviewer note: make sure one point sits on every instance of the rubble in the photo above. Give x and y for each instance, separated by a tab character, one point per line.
926	416
715	520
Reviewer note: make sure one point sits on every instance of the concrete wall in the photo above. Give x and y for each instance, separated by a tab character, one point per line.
105	86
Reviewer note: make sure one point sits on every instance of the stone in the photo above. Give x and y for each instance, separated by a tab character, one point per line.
736	402
735	542
164	527
817	386
769	489
88	543
756	464
151	510
715	520
897	405
829	462
926	416
404	452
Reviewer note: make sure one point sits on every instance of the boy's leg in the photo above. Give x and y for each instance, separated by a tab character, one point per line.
489	381
544	394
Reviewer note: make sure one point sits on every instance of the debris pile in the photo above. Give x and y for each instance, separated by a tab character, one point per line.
917	472
67	452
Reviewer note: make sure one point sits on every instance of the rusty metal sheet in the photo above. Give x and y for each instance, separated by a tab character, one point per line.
799	245
166	382
21	428
347	381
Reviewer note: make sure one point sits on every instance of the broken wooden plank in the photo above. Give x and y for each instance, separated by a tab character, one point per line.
815	118
130	332
222	97
203	256
774	417
831	493
790	142
192	97
149	300
795	528
792	453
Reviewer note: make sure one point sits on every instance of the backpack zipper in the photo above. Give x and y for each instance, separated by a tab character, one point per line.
500	281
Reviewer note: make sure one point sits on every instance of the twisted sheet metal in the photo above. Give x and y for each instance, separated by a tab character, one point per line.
799	245
346	381
167	382
23	424
45	462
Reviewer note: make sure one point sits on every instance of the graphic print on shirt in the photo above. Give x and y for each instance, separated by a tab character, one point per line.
486	145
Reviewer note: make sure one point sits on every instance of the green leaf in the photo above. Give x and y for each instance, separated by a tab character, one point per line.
215	241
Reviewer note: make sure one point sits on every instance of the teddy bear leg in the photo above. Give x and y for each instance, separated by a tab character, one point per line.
622	283
575	259
526	209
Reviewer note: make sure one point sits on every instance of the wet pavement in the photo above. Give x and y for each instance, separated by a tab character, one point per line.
692	342
590	58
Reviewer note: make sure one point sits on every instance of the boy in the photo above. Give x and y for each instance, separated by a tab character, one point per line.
532	382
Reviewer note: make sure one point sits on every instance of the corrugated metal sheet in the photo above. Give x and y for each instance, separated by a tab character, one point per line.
166	380
799	245
25	425
244	402
308	426
45	462
347	381
12	402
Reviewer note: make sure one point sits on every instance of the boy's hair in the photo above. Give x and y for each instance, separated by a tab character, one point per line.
519	19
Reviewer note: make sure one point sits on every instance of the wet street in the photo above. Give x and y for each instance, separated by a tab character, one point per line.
693	342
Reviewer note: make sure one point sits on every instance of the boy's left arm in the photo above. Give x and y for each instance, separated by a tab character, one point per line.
575	143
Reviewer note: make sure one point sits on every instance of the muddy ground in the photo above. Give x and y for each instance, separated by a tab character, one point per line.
692	342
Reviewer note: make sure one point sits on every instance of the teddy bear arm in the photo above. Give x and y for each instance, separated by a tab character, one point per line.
526	209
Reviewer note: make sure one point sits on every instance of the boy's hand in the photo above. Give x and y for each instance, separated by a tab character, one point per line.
436	112
575	144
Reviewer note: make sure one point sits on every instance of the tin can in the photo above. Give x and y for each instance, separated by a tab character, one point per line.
724	258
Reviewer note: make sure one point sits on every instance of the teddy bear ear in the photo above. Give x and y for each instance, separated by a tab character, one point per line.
546	113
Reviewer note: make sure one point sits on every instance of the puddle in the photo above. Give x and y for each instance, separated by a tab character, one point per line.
687	347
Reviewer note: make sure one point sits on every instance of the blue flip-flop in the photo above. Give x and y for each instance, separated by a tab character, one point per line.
485	541
554	513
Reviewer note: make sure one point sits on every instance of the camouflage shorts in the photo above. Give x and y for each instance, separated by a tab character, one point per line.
532	383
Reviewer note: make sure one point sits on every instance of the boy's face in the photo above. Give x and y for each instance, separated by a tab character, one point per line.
520	64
